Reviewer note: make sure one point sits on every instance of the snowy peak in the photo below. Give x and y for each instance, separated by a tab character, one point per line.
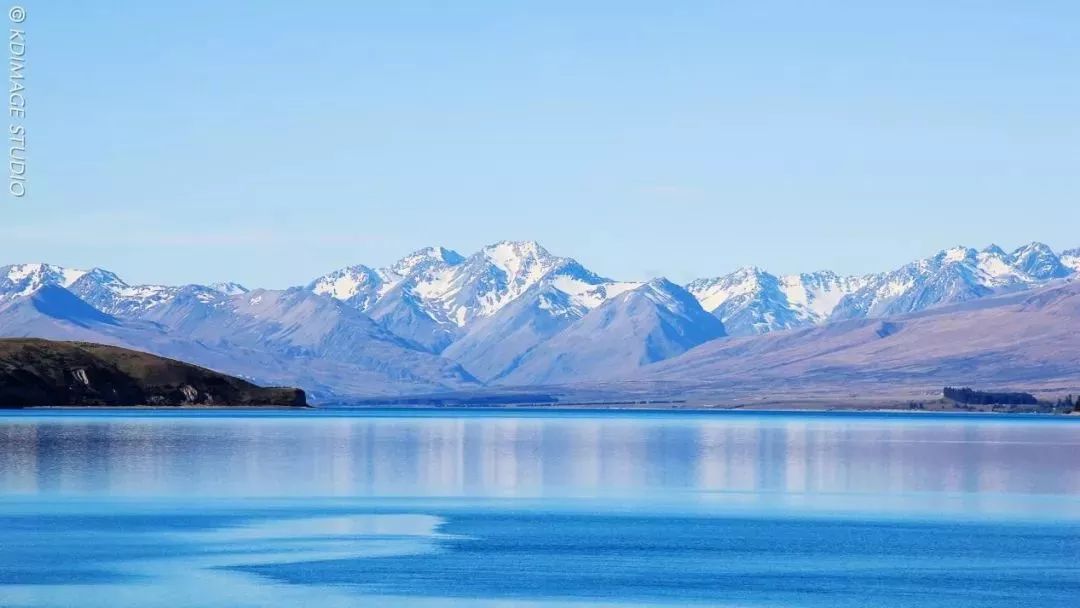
424	259
953	275
1071	259
438	279
666	294
434	294
490	279
958	254
670	302
500	273
715	292
357	285
654	321
23	279
525	259
100	277
229	288
102	289
813	296
996	265
1039	262
751	301
363	287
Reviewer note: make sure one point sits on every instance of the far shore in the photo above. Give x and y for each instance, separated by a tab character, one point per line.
614	406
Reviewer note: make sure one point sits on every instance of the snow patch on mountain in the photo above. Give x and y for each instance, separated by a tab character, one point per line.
1038	262
1071	259
357	285
954	275
512	308
423	259
434	295
655	321
813	296
19	280
751	301
229	288
102	289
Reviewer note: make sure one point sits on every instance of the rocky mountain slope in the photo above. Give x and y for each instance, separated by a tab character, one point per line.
37	372
1028	339
273	337
650	323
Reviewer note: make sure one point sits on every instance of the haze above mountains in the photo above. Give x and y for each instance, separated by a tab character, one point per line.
514	315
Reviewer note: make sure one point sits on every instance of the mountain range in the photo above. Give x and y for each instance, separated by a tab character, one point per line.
1028	338
751	301
511	314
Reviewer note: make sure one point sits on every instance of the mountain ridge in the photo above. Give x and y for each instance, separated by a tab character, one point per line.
440	320
1022	338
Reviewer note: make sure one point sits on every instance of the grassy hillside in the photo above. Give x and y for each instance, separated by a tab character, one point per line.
43	372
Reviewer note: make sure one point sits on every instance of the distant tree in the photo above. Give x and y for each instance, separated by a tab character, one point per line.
972	397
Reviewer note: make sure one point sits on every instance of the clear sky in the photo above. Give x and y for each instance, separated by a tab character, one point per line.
269	142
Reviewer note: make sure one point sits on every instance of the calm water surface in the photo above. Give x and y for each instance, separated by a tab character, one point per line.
434	508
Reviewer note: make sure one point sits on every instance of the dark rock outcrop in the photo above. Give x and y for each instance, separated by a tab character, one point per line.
48	373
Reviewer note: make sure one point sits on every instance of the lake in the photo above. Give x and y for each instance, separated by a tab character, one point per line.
537	508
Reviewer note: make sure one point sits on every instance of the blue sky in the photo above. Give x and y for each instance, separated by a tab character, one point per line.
269	142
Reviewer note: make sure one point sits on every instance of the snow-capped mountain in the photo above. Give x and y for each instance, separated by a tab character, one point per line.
362	287
1071	259
751	301
300	325
291	337
1024	338
108	293
229	288
101	288
358	286
481	284
815	295
511	313
493	346
1038	262
649	323
23	279
428	257
432	295
954	275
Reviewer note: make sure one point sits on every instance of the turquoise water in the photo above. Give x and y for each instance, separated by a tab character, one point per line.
537	508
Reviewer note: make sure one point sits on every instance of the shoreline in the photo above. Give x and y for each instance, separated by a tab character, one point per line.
593	408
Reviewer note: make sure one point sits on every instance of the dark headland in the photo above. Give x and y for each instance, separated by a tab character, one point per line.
49	373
